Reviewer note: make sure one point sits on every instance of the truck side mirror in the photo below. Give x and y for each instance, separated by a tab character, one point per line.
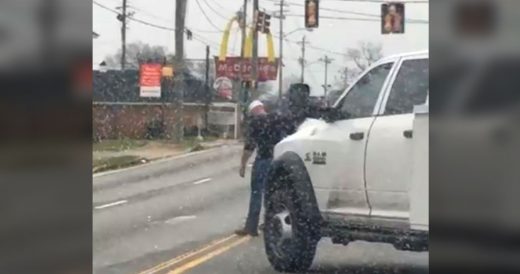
331	115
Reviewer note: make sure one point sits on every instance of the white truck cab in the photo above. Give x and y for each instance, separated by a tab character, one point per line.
362	176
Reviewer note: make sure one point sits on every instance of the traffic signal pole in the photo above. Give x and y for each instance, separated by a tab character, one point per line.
242	89
254	60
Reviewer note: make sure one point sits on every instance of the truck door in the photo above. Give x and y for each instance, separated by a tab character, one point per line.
345	142
389	152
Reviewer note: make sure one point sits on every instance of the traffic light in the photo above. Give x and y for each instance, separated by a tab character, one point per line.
392	18
263	22
266	23
189	34
312	13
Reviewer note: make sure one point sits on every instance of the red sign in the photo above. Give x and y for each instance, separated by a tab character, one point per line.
231	67
150	80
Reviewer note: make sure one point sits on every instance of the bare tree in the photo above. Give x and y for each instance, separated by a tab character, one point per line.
138	52
358	59
365	54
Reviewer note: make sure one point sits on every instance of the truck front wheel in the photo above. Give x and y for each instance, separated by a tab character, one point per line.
289	236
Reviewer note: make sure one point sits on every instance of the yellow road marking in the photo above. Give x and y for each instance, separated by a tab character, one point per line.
184	256
191	264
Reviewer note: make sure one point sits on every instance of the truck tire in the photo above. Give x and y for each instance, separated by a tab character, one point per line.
290	238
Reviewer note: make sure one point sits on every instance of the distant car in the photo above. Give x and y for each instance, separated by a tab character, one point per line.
360	175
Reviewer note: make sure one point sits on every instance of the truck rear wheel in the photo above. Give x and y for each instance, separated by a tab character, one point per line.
289	237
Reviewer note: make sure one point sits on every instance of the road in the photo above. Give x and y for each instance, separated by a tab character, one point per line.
178	216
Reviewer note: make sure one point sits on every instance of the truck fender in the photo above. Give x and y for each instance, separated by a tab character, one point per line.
290	169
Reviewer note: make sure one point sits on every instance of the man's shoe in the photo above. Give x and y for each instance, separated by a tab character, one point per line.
253	234
241	232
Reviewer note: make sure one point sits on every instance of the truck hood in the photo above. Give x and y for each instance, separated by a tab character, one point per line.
305	131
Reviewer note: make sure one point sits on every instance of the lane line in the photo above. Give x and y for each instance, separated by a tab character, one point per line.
202	181
111	204
187	255
179	219
191	264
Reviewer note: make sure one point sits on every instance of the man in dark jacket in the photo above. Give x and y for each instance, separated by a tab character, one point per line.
263	132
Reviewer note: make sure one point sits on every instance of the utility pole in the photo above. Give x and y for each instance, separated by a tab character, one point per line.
302	59
254	60
326	61
180	16
242	89
280	59
123	36
206	88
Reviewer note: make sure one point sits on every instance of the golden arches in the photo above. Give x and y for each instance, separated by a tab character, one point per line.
248	47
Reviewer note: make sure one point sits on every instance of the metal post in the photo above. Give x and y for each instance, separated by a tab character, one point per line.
207	90
280	60
238	121
254	60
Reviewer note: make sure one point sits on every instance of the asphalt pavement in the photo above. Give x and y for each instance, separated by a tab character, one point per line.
178	216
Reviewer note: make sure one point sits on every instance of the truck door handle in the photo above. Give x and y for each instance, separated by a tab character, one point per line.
357	136
408	133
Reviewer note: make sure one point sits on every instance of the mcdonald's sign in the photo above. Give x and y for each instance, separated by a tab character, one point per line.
237	68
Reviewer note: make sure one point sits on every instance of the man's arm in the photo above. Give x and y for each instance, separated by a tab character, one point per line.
249	148
246	154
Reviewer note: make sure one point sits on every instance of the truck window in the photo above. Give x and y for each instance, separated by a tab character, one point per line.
361	99
410	87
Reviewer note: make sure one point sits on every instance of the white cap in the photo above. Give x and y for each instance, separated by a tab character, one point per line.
254	104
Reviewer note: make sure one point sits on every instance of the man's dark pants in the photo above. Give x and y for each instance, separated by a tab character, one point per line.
258	181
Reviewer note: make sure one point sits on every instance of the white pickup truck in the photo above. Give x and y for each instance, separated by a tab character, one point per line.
360	176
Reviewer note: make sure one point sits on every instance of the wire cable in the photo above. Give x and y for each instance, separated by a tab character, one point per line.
195	36
216	12
384	1
410	21
206	16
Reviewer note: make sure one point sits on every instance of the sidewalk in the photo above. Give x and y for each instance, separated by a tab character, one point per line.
114	154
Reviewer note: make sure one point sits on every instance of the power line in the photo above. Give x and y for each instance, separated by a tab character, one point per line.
312	47
384	1
351	12
154	25
199	38
216	12
206	16
221	7
410	21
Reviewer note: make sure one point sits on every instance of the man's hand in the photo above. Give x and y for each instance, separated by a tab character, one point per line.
242	171
243	162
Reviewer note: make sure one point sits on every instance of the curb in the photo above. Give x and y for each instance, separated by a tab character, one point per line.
162	160
162	167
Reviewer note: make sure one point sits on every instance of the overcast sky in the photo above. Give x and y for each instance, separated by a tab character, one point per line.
334	35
